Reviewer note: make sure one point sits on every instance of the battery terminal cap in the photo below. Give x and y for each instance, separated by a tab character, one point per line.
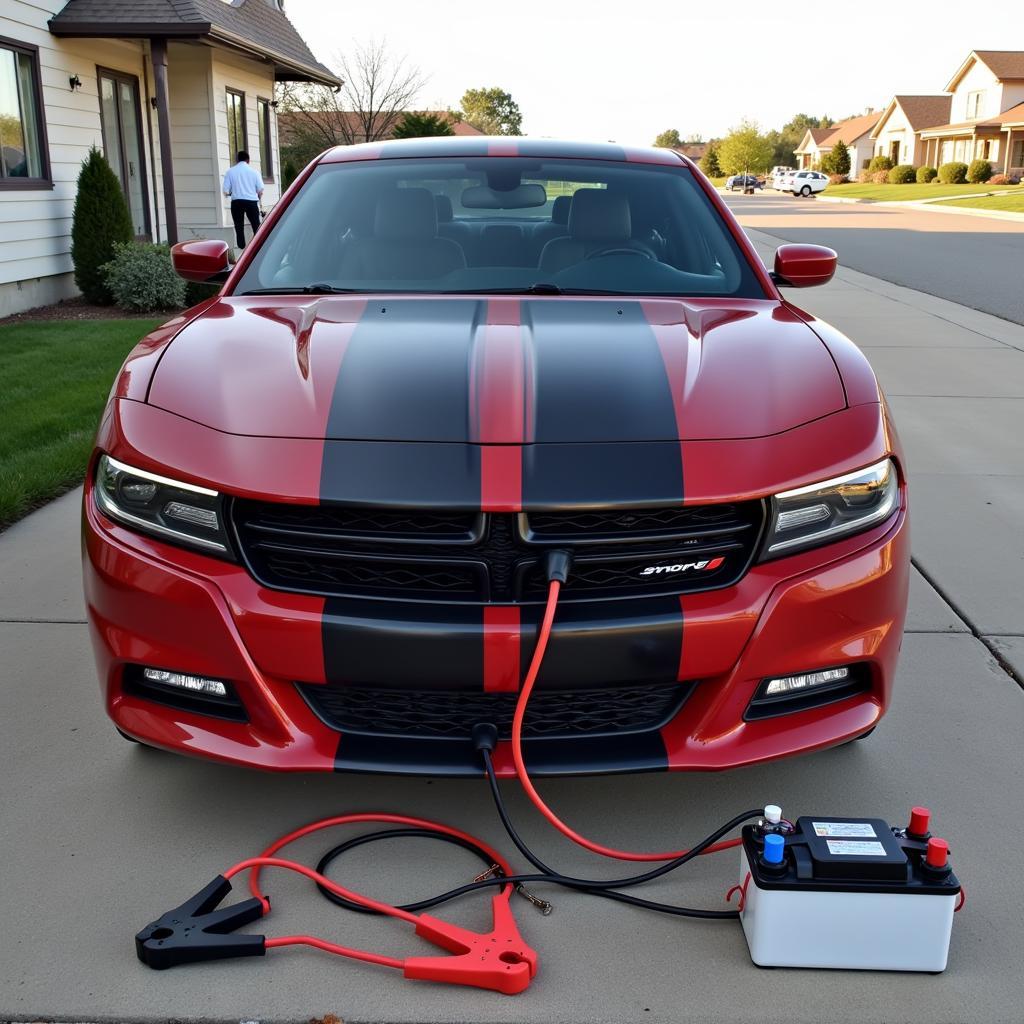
920	817
937	854
773	814
774	848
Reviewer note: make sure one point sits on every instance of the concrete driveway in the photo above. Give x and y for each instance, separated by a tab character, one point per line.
99	836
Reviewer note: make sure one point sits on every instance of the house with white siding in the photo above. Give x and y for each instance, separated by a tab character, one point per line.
168	90
897	134
853	132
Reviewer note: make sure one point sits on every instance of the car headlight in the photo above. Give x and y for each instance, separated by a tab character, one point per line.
821	513
169	509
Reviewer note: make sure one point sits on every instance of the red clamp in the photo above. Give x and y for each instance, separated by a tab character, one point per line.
498	960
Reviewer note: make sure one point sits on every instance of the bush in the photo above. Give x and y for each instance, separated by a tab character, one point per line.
926	175
196	292
100	221
837	179
979	172
880	163
142	279
953	173
902	174
880	177
840	158
1003	179
865	177
289	172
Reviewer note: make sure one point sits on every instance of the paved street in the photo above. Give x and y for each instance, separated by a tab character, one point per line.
100	836
970	260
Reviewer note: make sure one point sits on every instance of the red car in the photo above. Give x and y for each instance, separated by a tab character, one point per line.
316	517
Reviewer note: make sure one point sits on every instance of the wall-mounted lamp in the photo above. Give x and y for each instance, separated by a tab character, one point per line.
273	103
152	102
75	82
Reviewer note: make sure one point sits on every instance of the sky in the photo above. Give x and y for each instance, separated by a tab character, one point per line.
625	71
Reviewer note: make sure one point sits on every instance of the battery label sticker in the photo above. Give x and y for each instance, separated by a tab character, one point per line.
844	828
854	848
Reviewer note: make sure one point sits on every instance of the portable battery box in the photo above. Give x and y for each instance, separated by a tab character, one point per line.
846	893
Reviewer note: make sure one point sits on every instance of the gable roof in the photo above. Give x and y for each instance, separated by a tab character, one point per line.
920	111
258	26
813	139
1006	65
852	128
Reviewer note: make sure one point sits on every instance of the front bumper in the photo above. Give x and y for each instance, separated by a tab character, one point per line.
153	604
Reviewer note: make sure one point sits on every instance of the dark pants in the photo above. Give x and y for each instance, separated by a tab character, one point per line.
240	209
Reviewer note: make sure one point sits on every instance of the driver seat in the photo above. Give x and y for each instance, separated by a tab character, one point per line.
598	219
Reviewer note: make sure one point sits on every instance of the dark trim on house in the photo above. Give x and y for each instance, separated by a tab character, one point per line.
146	62
158	58
129	29
234	149
133	81
45	182
263	121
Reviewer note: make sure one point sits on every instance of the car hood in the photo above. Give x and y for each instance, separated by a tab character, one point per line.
498	370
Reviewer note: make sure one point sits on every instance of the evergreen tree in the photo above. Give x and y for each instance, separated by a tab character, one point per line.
416	125
709	161
840	158
101	219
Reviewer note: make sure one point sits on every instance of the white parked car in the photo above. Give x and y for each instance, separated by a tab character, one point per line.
776	173
805	183
780	180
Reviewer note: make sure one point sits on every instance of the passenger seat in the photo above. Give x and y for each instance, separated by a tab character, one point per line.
598	219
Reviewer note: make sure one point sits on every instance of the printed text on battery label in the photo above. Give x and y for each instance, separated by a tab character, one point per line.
843	828
853	848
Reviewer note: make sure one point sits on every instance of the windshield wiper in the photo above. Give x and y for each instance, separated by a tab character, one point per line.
306	289
538	288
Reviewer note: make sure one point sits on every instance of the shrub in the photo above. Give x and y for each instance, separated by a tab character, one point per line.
865	177
840	158
902	174
196	292
926	175
837	179
100	221
953	173
141	278
1003	179
880	177
880	163
979	172
289	172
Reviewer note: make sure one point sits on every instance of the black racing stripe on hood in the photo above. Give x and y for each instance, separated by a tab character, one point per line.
399	473
405	375
599	373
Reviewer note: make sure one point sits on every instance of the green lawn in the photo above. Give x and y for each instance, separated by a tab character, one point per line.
1012	202
54	378
906	193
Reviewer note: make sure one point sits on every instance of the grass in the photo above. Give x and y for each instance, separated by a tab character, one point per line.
54	380
1012	202
908	193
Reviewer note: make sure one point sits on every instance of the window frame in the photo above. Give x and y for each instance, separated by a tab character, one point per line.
974	100
240	93
263	124
45	181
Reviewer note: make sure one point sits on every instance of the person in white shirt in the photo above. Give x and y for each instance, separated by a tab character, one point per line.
245	187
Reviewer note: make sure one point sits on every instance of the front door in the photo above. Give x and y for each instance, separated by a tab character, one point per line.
122	141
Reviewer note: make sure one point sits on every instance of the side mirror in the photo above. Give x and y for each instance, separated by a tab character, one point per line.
204	260
804	266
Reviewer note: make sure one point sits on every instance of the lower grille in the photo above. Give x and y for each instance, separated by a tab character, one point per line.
447	714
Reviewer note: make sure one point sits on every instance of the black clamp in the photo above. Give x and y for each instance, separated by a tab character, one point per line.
197	931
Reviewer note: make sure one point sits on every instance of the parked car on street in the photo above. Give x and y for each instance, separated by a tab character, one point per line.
742	181
775	174
805	183
781	179
325	506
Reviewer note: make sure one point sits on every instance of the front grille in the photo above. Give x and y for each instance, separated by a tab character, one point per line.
447	714
475	558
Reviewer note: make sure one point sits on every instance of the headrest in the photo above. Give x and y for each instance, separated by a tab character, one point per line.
599	215
560	209
406	213
444	209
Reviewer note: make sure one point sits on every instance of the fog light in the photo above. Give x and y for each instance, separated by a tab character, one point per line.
193	684
790	684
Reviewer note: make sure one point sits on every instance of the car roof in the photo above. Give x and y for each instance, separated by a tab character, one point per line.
502	145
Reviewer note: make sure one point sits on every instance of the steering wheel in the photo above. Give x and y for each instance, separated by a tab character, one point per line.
616	250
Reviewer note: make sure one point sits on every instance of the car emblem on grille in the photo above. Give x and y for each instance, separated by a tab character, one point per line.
704	566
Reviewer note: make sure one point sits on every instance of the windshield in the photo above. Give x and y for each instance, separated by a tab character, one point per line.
501	225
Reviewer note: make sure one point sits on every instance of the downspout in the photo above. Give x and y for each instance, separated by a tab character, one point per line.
152	151
158	53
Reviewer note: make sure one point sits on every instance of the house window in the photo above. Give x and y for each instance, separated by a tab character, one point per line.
23	158
1017	157
236	123
974	105
266	150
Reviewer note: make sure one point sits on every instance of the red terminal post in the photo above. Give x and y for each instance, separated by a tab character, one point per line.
937	855
919	820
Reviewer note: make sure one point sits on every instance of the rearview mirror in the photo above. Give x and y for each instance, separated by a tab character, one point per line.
522	197
804	266
204	260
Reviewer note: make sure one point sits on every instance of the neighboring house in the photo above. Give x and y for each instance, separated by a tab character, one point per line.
986	114
169	90
694	150
855	132
340	126
898	132
808	153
